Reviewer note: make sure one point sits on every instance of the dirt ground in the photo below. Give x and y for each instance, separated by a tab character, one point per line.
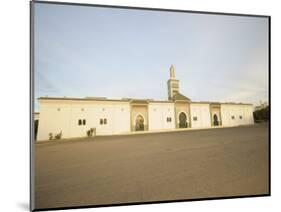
152	167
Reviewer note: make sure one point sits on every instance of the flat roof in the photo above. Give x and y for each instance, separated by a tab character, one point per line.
222	103
133	100
83	99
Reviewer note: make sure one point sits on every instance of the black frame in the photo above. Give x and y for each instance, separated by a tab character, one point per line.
31	106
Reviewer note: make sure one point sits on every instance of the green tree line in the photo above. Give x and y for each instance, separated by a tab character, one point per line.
261	115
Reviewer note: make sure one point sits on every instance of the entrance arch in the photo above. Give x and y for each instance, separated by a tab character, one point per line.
139	123
216	121
182	120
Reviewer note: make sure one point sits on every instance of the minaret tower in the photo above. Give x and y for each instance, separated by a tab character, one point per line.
173	84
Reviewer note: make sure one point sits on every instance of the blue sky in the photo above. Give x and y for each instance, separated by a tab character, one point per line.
87	51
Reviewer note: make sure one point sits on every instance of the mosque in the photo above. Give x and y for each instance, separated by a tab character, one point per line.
62	117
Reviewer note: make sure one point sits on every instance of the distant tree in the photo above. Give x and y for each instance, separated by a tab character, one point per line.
261	115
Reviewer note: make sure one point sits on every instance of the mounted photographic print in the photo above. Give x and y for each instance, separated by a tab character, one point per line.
142	105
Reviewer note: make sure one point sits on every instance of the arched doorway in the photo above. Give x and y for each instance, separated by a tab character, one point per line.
139	123
182	120
216	121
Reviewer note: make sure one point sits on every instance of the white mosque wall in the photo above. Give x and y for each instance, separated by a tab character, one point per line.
158	114
200	115
236	114
54	118
61	116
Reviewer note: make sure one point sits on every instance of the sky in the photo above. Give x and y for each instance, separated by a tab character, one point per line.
84	51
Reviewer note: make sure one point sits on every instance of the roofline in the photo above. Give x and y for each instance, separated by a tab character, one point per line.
129	100
222	103
161	101
83	99
234	103
182	100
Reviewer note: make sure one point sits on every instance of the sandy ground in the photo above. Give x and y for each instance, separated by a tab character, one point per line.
152	167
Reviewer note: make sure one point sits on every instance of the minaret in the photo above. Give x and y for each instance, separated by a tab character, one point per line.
173	84
172	72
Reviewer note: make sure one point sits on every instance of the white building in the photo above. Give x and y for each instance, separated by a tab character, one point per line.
74	117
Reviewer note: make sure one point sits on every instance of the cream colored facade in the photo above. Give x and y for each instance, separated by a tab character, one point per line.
158	112
200	115
73	117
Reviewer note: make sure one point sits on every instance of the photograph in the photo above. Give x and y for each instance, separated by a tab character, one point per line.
142	105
